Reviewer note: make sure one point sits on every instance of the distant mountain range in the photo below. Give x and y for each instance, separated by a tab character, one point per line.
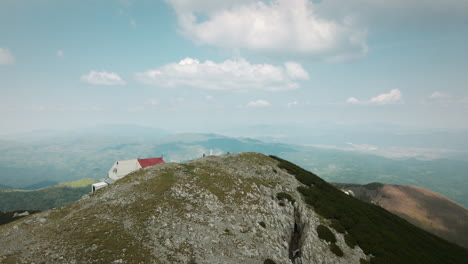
44	198
421	207
31	161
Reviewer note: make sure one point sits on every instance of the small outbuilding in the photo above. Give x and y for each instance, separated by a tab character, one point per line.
98	185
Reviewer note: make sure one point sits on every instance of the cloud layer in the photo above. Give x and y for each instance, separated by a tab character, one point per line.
234	75
392	97
291	27
6	57
258	103
102	78
335	30
439	95
445	99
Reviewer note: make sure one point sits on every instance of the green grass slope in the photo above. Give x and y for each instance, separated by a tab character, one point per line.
45	198
387	237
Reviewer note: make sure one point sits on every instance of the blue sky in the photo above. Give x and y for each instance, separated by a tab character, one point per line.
204	65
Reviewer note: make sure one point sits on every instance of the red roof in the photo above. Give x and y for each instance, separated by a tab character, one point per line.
150	162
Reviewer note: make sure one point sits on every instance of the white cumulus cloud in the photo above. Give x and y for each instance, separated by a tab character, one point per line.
353	100
234	75
102	78
291	27
6	57
439	95
392	97
258	103
295	70
332	29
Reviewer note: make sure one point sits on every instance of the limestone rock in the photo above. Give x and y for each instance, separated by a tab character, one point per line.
213	210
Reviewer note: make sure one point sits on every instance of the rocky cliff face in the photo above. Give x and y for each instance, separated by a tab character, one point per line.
213	210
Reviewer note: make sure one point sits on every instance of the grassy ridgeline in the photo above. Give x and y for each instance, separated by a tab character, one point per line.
387	237
45	198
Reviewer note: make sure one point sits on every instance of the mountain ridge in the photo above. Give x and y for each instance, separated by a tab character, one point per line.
227	209
429	210
46	197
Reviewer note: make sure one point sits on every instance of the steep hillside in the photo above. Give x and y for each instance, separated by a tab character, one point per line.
241	208
214	210
424	208
45	198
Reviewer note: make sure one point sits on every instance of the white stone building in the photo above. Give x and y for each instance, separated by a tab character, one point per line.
122	168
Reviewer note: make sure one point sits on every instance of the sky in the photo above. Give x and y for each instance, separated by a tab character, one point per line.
203	65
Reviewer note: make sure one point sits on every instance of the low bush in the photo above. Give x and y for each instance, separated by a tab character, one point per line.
363	261
269	261
335	224
285	196
326	234
336	250
350	241
262	224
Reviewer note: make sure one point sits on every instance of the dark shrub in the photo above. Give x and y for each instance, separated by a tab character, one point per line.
262	224
336	250
335	224
287	196
326	234
363	261
350	241
269	261
7	217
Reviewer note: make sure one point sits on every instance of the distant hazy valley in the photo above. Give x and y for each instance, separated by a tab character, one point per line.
37	160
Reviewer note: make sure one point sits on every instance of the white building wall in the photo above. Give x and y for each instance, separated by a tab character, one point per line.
97	186
122	168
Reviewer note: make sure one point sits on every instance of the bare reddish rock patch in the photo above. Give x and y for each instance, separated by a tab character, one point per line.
424	208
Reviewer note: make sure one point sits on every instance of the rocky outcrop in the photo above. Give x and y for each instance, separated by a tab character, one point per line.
213	210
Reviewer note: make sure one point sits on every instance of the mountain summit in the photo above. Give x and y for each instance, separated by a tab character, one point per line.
238	208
